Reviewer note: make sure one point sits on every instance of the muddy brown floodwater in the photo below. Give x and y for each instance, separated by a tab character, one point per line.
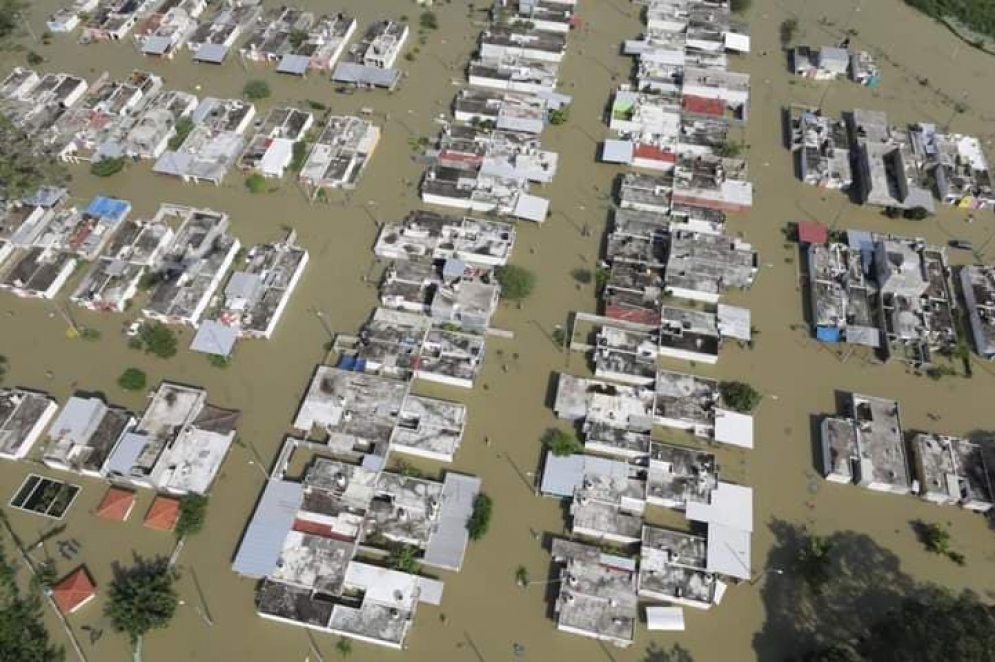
486	613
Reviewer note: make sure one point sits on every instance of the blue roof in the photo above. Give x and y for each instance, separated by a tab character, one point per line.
123	456
263	540
109	209
827	333
214	338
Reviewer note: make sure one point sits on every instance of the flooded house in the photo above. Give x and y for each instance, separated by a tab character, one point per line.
84	435
34	102
866	446
519	39
254	298
957	166
193	265
597	594
428	235
271	150
508	111
149	133
213	145
673	569
370	62
679	475
701	267
822	150
304	536
298	41
340	153
178	445
114	278
101	115
449	292
68	18
212	39
164	32
543	15
514	74
506	154
713	182
472	190
114	19
823	63
978	288
24	415
952	471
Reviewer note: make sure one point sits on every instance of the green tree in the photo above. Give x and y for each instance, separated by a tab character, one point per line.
789	27
834	653
343	647
814	559
256	89
561	443
193	512
730	149
739	396
299	156
740	6
480	518
516	282
559	116
22	627
256	183
937	628
182	129
218	361
916	214
25	165
142	598
158	339
522	576
675	654
404	559
107	166
582	275
12	14
428	20
296	38
132	379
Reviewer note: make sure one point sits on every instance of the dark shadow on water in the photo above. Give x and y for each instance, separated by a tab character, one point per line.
866	580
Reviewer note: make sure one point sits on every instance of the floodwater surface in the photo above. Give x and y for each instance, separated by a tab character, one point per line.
483	613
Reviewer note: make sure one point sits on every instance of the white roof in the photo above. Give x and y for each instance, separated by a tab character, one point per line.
392	587
278	156
734	322
728	551
531	208
617	151
731	505
733	428
665	618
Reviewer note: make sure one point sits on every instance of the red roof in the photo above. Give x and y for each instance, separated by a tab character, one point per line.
652	152
704	105
116	504
163	514
812	232
74	591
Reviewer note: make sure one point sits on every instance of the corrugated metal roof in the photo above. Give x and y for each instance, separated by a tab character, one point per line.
123	457
211	53
448	545
214	338
617	151
351	72
269	526
294	64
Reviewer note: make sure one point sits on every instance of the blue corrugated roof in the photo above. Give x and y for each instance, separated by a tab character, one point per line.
260	549
110	209
827	333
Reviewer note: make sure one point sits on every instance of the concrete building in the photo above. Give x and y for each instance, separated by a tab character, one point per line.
866	446
271	149
179	444
702	267
678	475
34	102
475	191
212	39
298	41
951	470
214	144
978	287
509	111
370	62
672	568
24	415
340	153
193	266
886	171
84	435
449	292
957	166
426	234
164	32
821	147
502	40
597	594
825	63
114	19
514	74
68	18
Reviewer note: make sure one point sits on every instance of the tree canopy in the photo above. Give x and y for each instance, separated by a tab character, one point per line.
256	89
142	598
978	15
132	379
739	396
193	512
480	518
937	628
23	637
516	282
561	443
23	165
158	339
